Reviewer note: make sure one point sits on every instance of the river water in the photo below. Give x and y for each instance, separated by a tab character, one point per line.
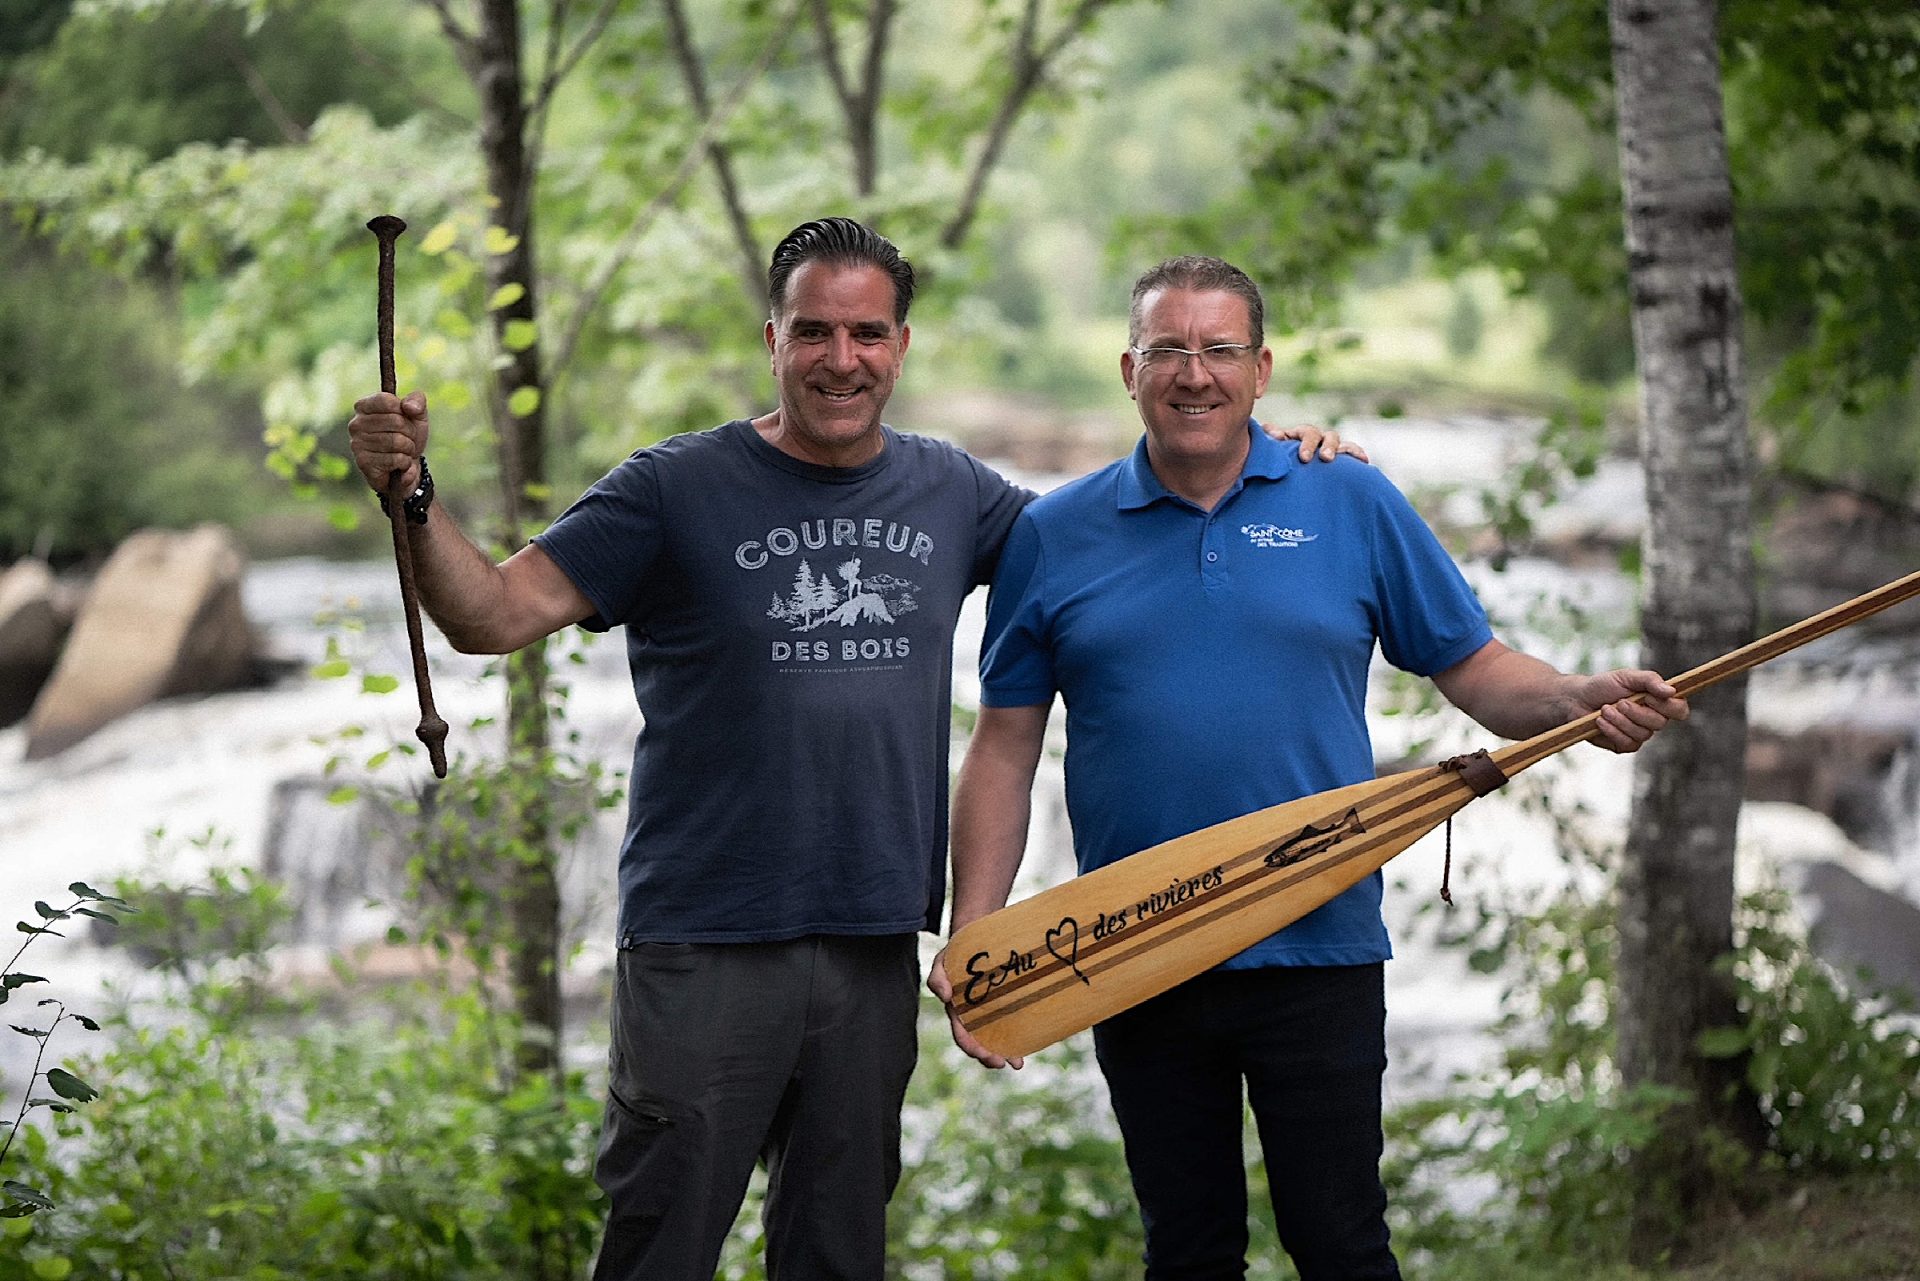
242	778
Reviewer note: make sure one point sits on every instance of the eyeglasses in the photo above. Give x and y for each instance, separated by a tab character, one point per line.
1219	358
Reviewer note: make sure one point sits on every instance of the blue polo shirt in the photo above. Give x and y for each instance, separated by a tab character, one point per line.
1215	663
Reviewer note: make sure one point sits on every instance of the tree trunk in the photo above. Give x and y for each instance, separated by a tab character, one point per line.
1676	884
534	904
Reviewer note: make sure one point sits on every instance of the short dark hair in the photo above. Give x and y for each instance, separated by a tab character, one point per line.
1197	271
846	243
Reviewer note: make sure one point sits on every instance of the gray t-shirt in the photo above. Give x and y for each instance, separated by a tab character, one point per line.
790	633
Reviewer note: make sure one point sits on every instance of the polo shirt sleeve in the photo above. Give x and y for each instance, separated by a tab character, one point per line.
609	541
1429	619
1016	660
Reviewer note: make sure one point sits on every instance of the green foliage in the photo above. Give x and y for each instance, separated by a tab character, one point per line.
1009	1169
94	450
155	76
225	925
243	1138
380	1152
1836	1076
1480	132
19	1199
27	25
1568	449
1550	1138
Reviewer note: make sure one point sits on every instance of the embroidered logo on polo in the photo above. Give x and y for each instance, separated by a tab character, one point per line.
1270	535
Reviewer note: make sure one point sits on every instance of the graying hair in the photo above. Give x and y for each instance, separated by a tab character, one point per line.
845	243
1199	272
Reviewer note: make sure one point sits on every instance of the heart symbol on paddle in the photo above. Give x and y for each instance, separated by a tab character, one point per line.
1068	929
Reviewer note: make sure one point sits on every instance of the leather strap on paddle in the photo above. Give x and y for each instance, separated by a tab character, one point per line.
1478	771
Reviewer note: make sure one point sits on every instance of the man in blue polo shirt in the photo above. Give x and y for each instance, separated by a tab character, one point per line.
1207	609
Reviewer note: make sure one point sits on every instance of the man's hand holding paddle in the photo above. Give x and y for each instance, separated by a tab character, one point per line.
937	984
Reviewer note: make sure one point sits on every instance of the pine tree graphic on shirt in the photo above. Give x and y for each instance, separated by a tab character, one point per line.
815	601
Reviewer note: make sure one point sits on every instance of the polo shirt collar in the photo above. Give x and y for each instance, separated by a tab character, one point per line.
1267	459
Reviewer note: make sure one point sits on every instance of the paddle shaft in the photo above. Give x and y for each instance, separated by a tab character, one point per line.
1730	664
432	730
1044	968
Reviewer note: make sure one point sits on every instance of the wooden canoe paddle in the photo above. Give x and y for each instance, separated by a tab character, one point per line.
1044	968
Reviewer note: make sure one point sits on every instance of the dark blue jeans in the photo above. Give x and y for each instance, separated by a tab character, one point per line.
1309	1044
796	1054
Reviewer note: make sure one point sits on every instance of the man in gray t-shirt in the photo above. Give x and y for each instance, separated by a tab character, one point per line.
789	585
791	649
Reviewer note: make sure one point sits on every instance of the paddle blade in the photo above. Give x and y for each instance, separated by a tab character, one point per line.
1039	970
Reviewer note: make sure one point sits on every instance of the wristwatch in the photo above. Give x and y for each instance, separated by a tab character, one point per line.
415	504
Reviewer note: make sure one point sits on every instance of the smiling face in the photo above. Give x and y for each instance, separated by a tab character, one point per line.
837	351
1196	414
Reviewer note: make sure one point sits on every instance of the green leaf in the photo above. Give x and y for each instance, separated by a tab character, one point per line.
332	669
84	890
49	913
342	795
506	295
98	916
500	241
379	684
31	1196
68	1086
1720	1042
519	335
440	239
10	981
344	517
523	401
52	1267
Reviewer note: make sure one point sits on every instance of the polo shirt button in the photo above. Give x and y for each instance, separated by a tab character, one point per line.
1213	556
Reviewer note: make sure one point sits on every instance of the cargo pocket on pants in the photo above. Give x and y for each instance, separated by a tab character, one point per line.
642	1161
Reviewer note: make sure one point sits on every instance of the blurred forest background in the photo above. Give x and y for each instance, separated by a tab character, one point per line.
1428	192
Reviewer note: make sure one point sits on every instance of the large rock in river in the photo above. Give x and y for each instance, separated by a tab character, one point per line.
163	617
34	617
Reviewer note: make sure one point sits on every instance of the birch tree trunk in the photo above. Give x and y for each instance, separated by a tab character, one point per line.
1676	884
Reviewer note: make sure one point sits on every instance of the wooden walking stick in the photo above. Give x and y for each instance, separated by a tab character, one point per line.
1048	966
432	730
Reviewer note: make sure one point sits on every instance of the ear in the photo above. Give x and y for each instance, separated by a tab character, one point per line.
906	337
1127	372
769	334
1263	371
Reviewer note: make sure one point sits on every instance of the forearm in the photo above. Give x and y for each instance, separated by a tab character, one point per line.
992	804
1517	697
481	606
1512	694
